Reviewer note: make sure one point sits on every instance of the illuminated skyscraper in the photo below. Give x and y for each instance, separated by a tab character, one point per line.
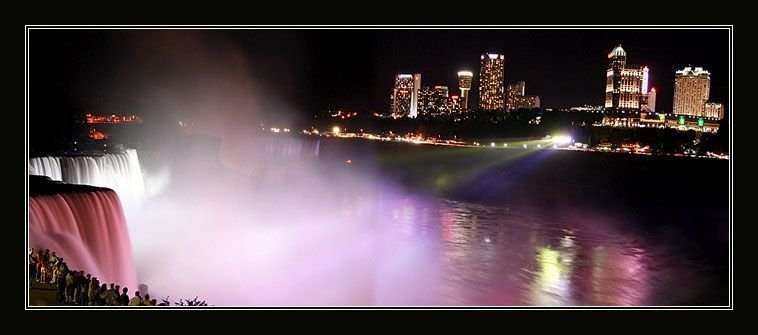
414	95
404	97
691	90
441	97
425	101
650	100
491	95
464	83
626	85
515	90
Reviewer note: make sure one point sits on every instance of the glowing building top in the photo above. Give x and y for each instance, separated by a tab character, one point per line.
689	71
626	87
464	79
617	52
464	84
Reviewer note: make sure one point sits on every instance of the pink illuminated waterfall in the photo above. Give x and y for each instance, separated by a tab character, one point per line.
86	226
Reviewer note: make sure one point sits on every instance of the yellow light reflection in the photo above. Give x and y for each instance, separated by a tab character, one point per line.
550	272
551	282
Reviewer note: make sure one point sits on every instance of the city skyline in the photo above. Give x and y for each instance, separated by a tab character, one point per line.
564	67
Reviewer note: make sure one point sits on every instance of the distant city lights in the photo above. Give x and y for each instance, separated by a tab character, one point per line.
90	118
560	142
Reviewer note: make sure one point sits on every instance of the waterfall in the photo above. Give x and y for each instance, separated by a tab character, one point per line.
46	166
84	225
120	172
288	148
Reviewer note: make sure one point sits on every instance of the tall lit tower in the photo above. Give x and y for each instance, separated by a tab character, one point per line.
491	75
645	76
464	83
626	85
691	90
401	95
414	95
651	100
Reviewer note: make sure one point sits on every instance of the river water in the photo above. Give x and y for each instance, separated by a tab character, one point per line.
460	253
378	225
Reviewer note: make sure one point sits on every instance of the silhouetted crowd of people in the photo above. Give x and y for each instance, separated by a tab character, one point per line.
75	288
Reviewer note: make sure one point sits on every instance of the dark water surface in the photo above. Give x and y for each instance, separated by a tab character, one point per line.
500	227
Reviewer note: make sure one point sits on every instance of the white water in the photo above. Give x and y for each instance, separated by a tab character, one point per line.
46	166
119	172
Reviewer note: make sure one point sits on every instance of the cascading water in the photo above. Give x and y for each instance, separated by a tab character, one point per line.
85	225
46	166
288	148
120	172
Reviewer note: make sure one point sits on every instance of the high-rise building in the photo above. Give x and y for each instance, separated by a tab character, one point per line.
464	84
714	110
425	100
517	99
650	106
626	85
404	99
691	90
515	90
441	95
414	95
491	74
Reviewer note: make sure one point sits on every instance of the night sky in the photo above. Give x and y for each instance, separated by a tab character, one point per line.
301	72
